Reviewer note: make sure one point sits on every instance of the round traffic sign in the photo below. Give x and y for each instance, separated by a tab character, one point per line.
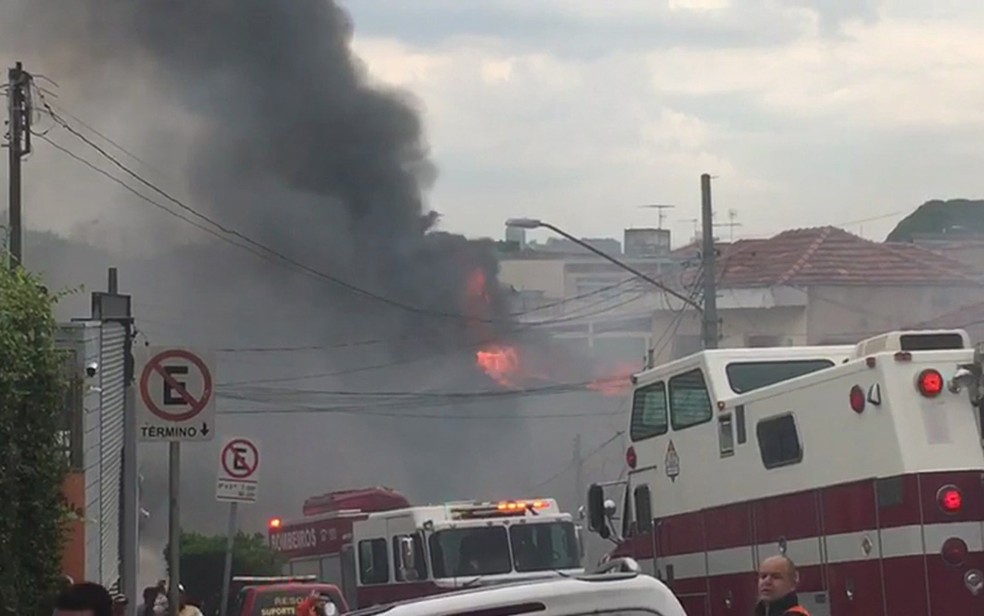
240	458
194	405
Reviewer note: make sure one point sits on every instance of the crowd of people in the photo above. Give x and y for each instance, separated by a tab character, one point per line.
91	599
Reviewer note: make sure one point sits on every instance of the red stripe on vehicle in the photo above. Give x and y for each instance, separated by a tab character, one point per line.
857	506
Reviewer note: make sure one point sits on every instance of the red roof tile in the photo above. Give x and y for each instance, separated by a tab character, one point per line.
832	256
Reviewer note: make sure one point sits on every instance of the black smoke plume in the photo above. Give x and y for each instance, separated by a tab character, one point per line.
272	127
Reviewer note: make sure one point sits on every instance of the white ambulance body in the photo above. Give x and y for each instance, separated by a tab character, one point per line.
862	463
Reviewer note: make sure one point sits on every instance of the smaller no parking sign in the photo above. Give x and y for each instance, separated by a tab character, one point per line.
239	463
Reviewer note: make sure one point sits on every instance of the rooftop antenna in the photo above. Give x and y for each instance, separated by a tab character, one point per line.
731	224
661	215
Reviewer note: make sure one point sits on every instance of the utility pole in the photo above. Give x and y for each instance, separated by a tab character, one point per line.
709	326
19	146
578	471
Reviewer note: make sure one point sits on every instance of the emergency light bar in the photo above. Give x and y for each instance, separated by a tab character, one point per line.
500	509
274	579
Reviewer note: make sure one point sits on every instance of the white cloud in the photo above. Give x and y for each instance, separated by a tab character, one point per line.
584	140
699	5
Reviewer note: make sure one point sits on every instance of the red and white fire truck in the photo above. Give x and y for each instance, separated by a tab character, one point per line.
377	548
862	463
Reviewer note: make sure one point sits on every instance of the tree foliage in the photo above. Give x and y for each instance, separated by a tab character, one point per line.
953	217
33	511
203	563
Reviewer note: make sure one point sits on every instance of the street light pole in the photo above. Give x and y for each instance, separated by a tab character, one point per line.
530	223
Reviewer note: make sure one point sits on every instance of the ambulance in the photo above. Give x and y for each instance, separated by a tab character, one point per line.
862	463
388	555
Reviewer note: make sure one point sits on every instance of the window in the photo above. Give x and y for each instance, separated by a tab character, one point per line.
373	562
726	435
420	560
689	403
648	412
744	377
778	441
546	546
930	342
470	551
643	508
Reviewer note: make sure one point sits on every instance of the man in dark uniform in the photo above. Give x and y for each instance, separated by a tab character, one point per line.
777	588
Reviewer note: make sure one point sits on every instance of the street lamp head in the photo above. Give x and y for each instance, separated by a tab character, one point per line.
524	223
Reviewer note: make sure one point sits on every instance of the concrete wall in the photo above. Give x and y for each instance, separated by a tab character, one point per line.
545	275
94	486
849	314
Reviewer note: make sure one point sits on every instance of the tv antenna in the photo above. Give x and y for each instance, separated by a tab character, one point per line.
661	215
731	224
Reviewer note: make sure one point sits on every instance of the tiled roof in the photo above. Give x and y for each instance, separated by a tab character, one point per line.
832	256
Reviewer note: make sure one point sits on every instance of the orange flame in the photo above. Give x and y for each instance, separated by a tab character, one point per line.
619	383
499	362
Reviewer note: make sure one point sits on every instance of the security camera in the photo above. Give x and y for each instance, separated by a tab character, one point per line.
91	369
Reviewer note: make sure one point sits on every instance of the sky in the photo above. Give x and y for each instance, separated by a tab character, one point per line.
806	112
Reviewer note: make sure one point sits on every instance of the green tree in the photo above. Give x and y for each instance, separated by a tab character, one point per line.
952	217
203	563
33	511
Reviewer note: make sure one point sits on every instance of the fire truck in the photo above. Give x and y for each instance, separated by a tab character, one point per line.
378	548
862	463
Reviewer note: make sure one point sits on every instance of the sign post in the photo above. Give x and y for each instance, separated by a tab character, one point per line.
175	404
237	482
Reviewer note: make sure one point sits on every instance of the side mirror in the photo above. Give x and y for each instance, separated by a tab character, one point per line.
596	510
408	558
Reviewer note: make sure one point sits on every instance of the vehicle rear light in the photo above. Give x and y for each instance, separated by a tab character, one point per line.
275	523
950	499
857	399
954	551
930	383
630	457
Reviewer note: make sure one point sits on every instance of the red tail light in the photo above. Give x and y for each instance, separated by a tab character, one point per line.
950	499
630	457
954	551
930	383
275	523
857	399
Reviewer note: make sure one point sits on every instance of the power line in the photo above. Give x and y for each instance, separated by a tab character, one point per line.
571	464
279	256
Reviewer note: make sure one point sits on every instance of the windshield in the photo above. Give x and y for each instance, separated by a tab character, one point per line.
470	551
544	547
486	550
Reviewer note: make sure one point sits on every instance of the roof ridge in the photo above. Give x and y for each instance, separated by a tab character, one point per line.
961	273
805	257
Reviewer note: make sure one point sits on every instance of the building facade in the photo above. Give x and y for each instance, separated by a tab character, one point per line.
93	441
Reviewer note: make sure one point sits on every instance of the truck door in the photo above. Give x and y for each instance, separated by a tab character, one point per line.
348	575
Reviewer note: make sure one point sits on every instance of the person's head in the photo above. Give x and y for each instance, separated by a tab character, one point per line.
84	599
777	577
